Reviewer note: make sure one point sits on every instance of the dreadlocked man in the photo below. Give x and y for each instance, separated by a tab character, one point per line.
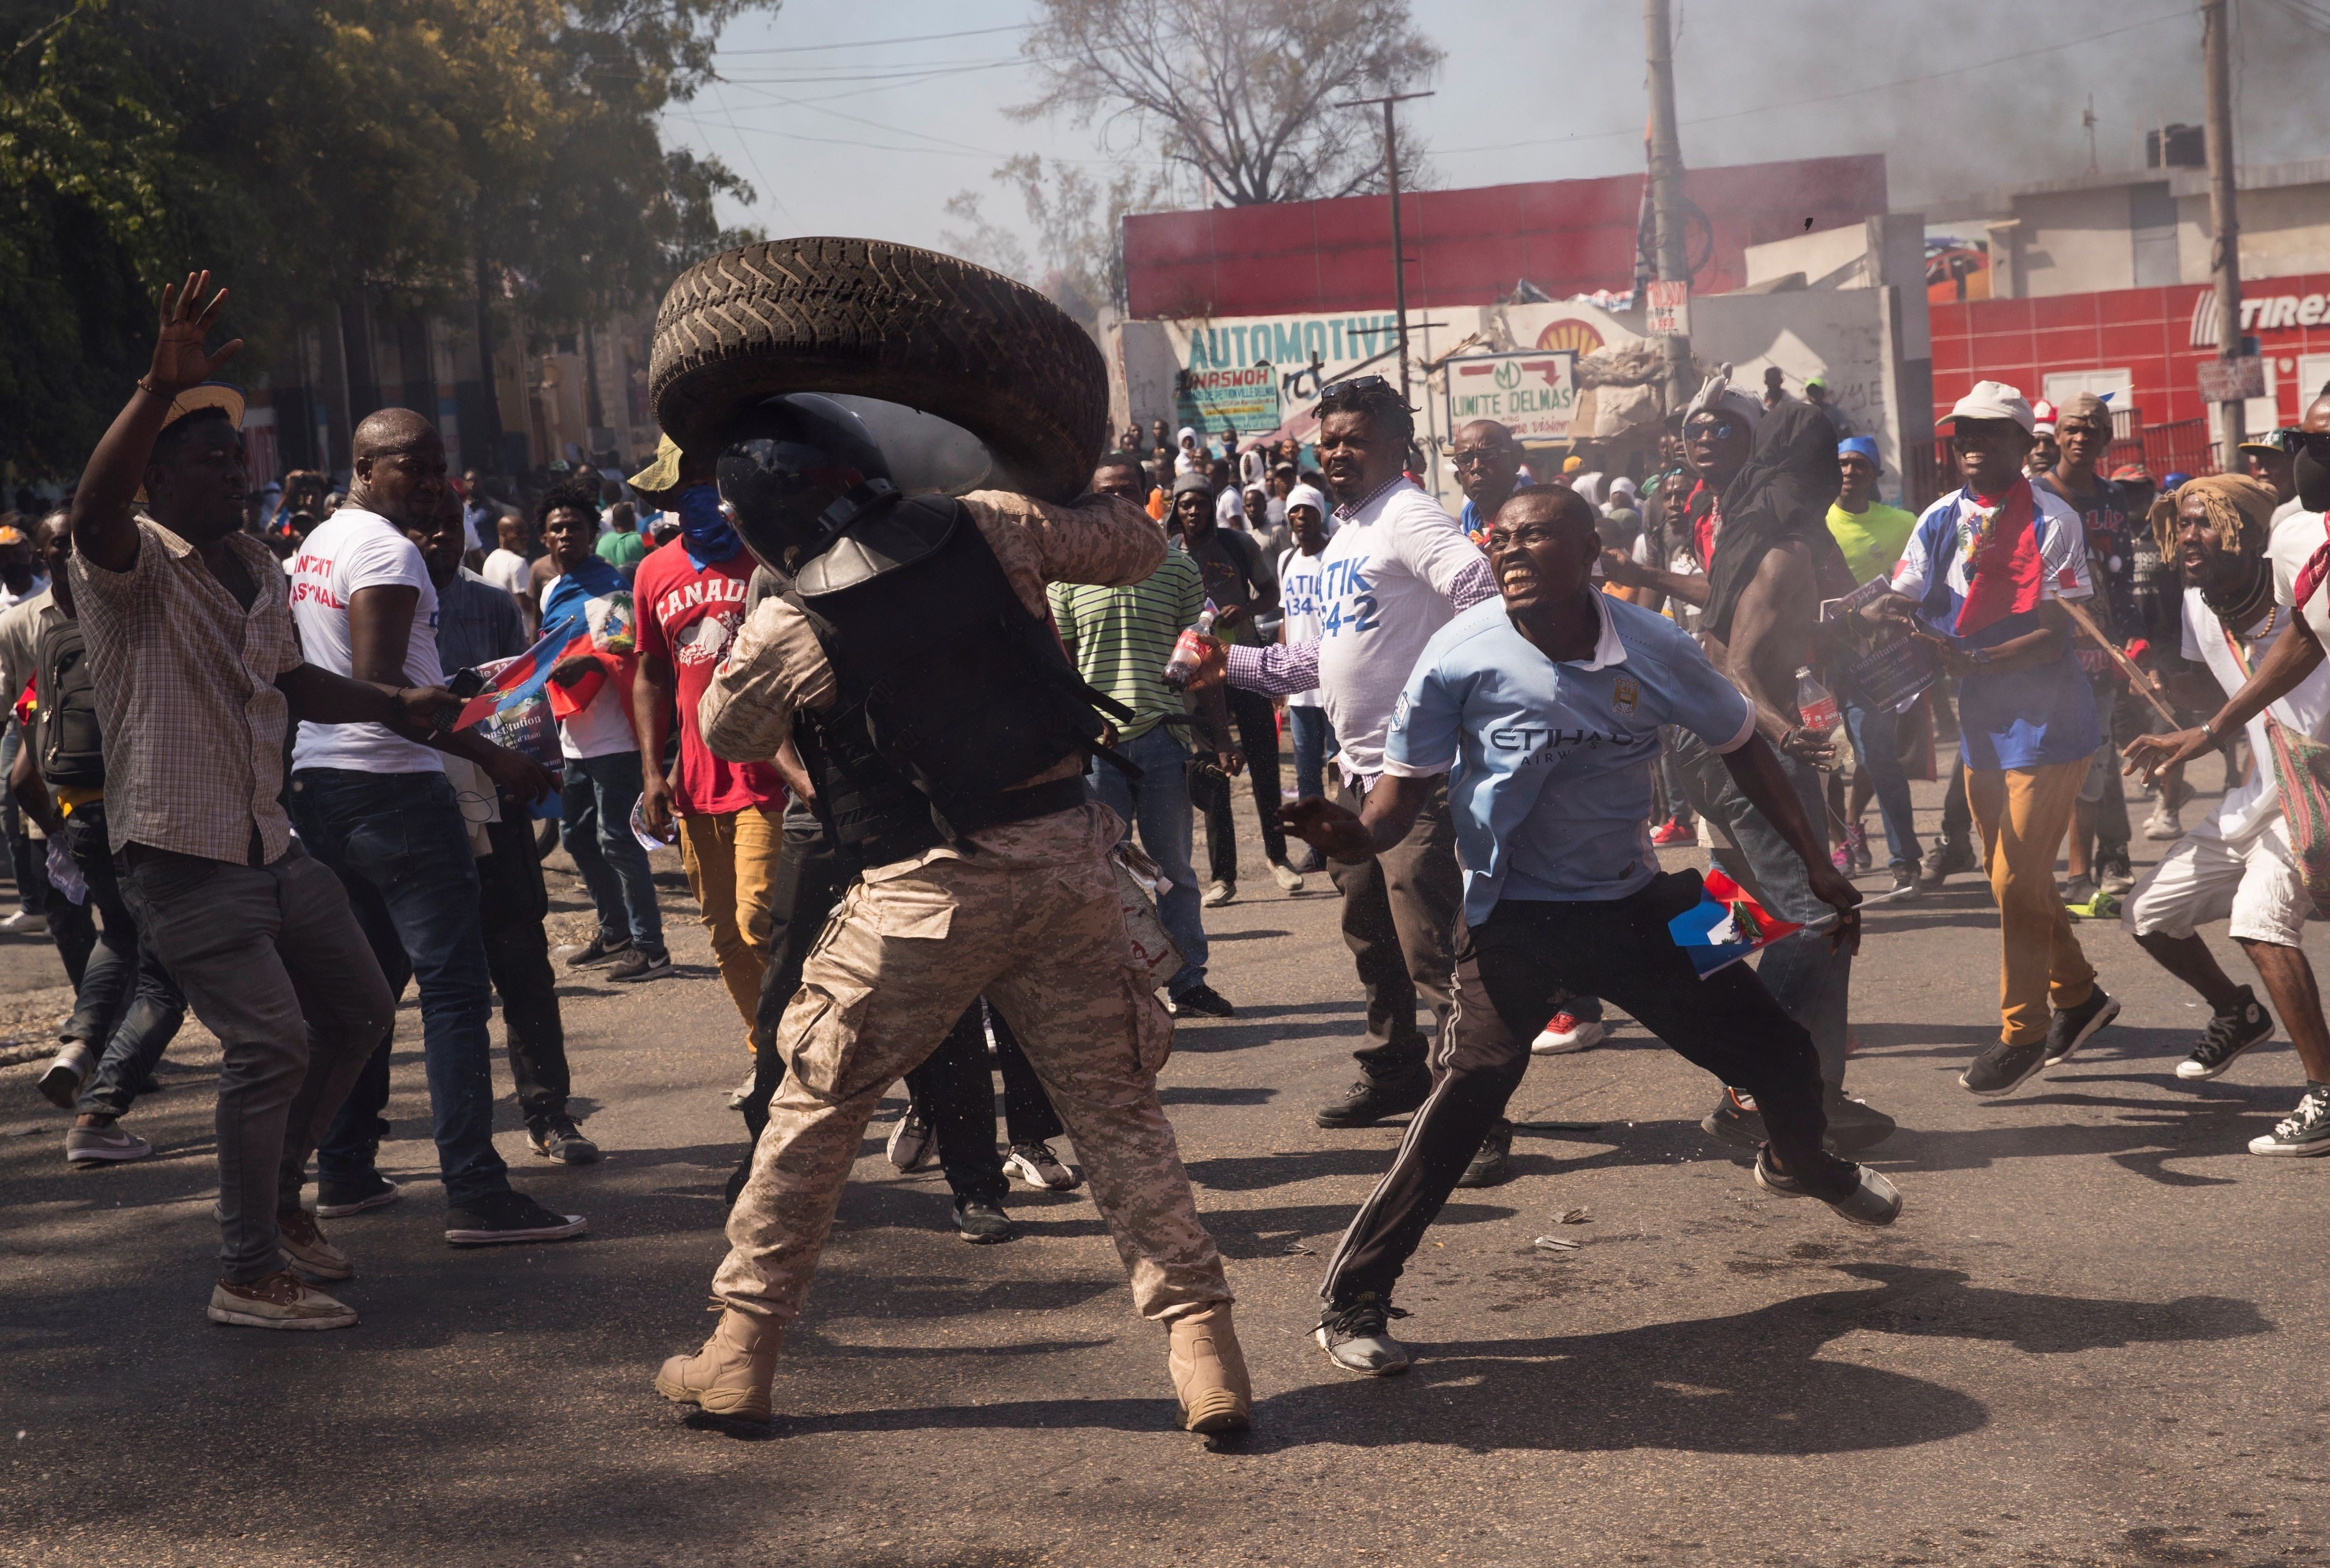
2237	863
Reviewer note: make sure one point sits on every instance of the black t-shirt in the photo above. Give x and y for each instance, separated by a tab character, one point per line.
1236	572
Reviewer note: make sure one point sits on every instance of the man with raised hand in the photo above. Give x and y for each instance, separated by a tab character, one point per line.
198	672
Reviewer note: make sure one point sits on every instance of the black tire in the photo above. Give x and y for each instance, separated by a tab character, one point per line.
884	321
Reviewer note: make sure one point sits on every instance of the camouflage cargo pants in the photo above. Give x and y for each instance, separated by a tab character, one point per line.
1032	920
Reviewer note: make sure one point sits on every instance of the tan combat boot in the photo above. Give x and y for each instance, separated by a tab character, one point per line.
1208	1371
731	1375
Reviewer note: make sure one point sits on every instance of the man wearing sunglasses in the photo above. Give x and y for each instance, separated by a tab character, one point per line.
1396	570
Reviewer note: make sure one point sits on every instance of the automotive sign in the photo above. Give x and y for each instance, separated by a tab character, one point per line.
1531	394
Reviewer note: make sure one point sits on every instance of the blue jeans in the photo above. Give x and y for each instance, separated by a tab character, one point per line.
1159	805
1876	734
398	843
595	826
127	1008
1812	983
1315	738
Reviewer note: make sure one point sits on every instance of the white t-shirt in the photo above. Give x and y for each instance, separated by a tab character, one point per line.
508	570
604	726
2295	536
1298	579
350	551
1386	576
2305	709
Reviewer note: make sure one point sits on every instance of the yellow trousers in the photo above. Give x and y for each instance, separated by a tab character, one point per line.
2023	814
731	860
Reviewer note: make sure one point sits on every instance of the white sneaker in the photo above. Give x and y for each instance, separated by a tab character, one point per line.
1218	894
61	1084
2163	825
1288	879
24	924
1566	1032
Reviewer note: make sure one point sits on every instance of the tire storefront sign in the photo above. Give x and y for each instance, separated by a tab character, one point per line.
1531	394
1238	397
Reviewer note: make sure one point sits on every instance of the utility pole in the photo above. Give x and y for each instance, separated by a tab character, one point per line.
1666	189
1398	246
2216	22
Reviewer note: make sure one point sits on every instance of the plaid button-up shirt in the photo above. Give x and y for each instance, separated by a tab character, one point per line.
186	693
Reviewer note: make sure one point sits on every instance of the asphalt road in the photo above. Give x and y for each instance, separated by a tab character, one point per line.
2094	1336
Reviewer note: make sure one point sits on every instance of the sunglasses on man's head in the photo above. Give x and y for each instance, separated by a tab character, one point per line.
1351	386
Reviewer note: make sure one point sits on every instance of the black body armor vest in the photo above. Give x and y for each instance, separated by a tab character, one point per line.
950	693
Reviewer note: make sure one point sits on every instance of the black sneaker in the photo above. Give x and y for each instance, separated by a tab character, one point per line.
557	1137
1905	881
982	1221
1202	998
2002	1069
2073	1027
500	1218
2227	1036
336	1200
2113	873
1370	1099
1488	1166
2305	1132
1853	1124
598	953
1356	1336
1874	1201
913	1141
638	964
1950	856
1736	1120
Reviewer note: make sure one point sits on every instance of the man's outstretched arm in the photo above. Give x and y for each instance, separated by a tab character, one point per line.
104	528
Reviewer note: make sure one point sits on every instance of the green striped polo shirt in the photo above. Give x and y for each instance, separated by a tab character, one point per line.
1121	637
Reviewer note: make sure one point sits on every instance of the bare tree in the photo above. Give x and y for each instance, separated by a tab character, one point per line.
1237	91
1079	227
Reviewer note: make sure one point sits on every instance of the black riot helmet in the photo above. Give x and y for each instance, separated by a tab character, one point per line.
795	471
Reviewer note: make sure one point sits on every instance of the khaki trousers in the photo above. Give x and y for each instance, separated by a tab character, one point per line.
731	861
2023	814
1031	919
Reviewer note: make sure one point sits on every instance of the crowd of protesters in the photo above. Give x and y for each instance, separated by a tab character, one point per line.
236	790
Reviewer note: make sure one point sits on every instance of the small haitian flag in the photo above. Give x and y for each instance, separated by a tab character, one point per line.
1725	925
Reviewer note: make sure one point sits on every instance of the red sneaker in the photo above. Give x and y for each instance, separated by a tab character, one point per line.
1679	833
1566	1032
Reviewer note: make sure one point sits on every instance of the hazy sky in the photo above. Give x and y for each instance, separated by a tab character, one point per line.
1961	95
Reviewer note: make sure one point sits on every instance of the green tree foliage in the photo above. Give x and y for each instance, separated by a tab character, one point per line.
305	148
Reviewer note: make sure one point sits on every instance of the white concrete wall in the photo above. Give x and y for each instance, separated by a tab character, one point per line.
1817	256
2074	242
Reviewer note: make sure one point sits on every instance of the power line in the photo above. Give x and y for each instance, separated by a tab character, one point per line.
882	42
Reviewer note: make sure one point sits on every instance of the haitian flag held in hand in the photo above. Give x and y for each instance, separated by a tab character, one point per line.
579	651
1725	925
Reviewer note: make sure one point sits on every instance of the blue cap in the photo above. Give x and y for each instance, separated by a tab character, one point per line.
1860	446
2173	480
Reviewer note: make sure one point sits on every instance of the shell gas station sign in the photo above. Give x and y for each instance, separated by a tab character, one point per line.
1532	393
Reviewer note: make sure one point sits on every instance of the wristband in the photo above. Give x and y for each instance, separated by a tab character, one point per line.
2209	728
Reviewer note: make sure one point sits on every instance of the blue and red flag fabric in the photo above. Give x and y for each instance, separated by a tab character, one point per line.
1725	925
576	656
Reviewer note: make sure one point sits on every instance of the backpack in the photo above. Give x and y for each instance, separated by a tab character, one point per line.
71	751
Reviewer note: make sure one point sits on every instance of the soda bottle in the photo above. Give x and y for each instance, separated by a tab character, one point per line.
1816	707
1189	652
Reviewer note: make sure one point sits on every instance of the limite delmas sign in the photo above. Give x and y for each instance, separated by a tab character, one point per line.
1531	394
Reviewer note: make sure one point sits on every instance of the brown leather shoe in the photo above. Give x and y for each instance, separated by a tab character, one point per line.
1208	1371
280	1300
731	1375
306	1248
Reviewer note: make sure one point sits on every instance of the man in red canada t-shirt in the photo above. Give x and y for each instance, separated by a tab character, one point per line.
690	596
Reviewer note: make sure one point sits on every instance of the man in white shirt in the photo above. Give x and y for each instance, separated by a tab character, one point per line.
1396	569
377	809
508	569
2238	864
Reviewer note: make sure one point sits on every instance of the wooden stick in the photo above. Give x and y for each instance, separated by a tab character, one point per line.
2136	677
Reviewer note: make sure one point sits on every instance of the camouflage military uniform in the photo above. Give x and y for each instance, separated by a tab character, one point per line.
1031	919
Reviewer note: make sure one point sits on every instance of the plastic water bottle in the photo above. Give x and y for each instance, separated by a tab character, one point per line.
1188	651
1816	707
